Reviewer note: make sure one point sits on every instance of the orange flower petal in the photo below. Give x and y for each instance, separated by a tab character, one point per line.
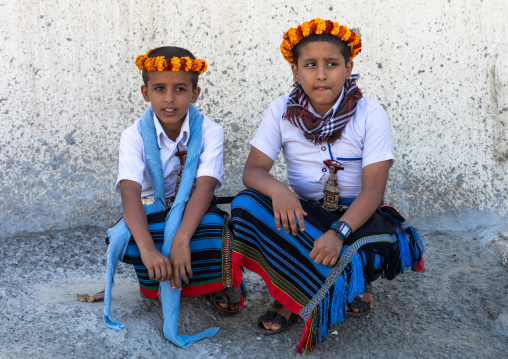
175	64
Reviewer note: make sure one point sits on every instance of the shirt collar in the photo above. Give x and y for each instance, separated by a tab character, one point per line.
182	138
334	107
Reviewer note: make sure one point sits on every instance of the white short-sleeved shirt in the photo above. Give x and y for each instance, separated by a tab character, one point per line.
132	162
366	139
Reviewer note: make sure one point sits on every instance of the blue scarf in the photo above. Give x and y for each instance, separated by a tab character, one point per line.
119	235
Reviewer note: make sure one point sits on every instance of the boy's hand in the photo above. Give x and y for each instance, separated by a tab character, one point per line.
327	248
180	258
285	207
158	265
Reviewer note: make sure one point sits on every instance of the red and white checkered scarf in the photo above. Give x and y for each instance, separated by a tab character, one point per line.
322	129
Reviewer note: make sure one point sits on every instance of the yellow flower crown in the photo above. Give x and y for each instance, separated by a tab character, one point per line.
159	63
319	26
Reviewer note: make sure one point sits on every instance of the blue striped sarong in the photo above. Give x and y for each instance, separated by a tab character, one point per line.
210	247
384	246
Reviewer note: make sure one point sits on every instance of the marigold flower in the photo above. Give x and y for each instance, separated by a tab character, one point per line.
312	26
336	29
320	26
175	64
203	68
187	65
300	33
160	63
293	36
305	29
183	63
329	26
140	61
347	34
354	39
196	65
150	64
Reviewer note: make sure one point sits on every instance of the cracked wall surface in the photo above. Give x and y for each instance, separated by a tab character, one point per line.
69	86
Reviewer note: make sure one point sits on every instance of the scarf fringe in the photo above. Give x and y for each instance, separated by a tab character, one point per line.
120	234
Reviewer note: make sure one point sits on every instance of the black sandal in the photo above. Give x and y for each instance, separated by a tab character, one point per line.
274	317
362	306
229	293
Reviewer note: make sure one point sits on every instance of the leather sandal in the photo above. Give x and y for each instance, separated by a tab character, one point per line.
227	298
274	317
362	306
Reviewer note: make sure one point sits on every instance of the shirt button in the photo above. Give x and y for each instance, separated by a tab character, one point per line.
323	148
324	170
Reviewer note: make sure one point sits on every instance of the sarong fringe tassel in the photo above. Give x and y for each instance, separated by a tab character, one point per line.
236	273
332	309
393	260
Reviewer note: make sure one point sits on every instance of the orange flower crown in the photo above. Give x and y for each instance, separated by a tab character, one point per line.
319	26
159	63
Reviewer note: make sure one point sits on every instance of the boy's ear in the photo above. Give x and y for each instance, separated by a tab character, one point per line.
195	94
144	92
294	68
349	69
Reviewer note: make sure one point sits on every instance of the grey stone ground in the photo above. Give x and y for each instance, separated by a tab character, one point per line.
457	308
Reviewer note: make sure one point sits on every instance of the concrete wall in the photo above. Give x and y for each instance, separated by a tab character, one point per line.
68	86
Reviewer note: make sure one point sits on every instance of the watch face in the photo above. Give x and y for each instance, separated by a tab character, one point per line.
343	229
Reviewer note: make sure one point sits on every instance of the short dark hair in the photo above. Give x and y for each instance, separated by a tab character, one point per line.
345	50
169	52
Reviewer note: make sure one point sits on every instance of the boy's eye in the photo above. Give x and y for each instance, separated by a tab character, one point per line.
310	64
158	88
180	89
332	64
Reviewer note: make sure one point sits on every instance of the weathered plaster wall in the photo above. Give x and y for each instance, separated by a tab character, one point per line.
68	86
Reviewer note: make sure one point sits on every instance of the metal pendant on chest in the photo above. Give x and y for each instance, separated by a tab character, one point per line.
331	191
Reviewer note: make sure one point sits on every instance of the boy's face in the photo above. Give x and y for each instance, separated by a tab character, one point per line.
170	94
322	72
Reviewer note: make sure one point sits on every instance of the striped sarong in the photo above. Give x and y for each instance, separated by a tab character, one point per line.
383	247
210	248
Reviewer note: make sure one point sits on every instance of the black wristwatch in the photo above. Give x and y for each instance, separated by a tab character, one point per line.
342	229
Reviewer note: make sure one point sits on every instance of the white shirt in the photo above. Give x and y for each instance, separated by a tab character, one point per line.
132	162
366	139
